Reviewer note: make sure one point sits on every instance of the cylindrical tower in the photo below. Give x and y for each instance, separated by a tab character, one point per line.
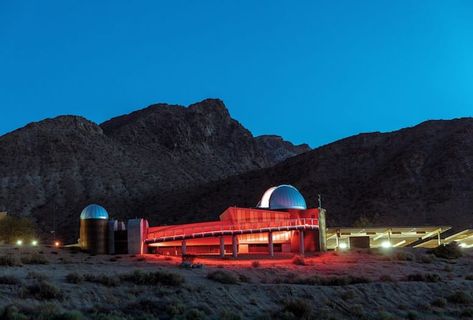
93	229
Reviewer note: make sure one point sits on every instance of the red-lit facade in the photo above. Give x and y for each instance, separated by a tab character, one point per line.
241	231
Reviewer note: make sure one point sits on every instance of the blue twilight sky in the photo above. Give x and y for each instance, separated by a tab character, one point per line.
311	71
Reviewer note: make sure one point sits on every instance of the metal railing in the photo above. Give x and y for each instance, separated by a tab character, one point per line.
230	229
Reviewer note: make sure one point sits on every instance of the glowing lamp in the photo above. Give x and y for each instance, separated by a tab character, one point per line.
19	242
343	245
34	242
386	244
56	243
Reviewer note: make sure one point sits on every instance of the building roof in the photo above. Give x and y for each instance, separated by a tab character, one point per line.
94	211
282	197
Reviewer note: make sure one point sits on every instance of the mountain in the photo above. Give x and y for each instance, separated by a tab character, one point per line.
51	169
279	149
421	175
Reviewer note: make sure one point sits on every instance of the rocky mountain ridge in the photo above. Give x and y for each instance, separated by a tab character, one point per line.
51	169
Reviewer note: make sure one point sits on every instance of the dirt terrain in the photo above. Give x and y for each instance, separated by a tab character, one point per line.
49	283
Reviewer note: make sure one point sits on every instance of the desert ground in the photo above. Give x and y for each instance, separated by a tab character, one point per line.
52	283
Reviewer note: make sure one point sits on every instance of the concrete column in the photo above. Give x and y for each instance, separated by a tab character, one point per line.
301	242
323	231
184	247
270	244
234	246
222	247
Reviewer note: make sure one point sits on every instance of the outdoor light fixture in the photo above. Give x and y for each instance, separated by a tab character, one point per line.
56	243
343	245
386	244
19	242
34	242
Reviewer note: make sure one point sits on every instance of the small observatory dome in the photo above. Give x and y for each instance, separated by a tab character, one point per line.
282	197
94	211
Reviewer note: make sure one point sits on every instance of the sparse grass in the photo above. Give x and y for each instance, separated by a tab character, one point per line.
34	258
42	290
298	261
153	278
74	277
229	315
9	280
448	251
348	295
223	277
459	297
424	277
256	264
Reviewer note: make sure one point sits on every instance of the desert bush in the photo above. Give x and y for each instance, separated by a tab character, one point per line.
74	277
256	264
459	297
467	313
469	277
439	302
42	290
9	280
426	258
11	312
36	275
223	277
448	251
153	278
8	261
412	315
34	258
386	278
229	315
424	277
403	256
348	295
195	314
357	310
102	279
298	261
301	309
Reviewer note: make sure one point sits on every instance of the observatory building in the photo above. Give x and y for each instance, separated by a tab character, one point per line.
280	223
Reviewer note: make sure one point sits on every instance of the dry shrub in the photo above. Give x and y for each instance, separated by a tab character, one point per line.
223	277
9	261
74	277
448	251
439	302
102	279
386	278
424	277
301	309
459	297
298	261
9	280
256	264
42	290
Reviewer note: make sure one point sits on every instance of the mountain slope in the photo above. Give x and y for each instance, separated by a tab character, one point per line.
414	176
53	168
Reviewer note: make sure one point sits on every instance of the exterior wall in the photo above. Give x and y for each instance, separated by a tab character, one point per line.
94	235
137	230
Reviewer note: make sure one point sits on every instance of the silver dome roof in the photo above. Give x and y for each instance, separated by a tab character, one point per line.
282	197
